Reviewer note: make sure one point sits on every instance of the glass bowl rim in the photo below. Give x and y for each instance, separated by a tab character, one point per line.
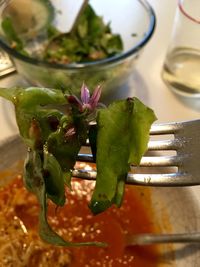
98	63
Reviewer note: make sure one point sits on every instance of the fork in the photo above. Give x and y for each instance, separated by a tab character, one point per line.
6	65
185	141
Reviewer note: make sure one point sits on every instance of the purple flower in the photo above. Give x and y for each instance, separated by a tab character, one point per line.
86	103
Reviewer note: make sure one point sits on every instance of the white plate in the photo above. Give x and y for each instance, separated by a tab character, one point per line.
175	207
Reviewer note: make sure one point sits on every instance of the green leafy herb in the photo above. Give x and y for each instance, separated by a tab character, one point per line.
122	136
91	39
55	137
12	36
34	180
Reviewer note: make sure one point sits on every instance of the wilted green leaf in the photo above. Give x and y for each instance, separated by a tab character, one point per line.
123	132
54	179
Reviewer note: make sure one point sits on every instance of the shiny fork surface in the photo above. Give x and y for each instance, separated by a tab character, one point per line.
6	65
149	239
184	140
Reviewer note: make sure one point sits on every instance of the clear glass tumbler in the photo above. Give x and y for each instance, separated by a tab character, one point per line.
181	70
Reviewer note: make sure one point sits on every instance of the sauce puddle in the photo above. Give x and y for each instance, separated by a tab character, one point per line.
75	222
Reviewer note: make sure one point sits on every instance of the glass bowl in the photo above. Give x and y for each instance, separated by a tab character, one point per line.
133	20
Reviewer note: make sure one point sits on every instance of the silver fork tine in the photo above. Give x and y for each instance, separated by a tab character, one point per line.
163	161
167	128
159	161
85	157
84	174
186	143
148	239
170	179
6	65
164	145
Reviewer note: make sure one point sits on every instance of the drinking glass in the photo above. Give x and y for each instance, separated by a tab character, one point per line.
181	70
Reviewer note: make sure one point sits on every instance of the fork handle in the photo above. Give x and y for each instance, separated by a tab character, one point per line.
149	239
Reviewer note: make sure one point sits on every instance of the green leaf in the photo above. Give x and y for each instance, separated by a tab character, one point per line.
12	36
90	39
92	134
64	149
112	44
9	94
34	96
54	179
52	31
82	28
120	191
54	140
123	132
139	130
34	180
30	109
48	121
7	26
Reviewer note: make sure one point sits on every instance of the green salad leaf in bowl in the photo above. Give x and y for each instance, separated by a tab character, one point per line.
89	40
103	44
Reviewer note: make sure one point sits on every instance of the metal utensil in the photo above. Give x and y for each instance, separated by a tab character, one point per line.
149	239
6	65
183	137
184	140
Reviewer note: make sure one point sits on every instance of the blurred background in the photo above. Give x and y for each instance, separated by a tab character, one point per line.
144	81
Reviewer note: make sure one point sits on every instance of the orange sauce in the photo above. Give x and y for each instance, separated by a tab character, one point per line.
75	222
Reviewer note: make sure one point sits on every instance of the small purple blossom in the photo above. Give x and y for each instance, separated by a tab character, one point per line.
86	103
85	94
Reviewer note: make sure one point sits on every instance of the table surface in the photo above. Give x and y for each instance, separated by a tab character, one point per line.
146	82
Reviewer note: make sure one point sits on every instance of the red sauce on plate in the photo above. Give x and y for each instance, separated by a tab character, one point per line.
76	223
